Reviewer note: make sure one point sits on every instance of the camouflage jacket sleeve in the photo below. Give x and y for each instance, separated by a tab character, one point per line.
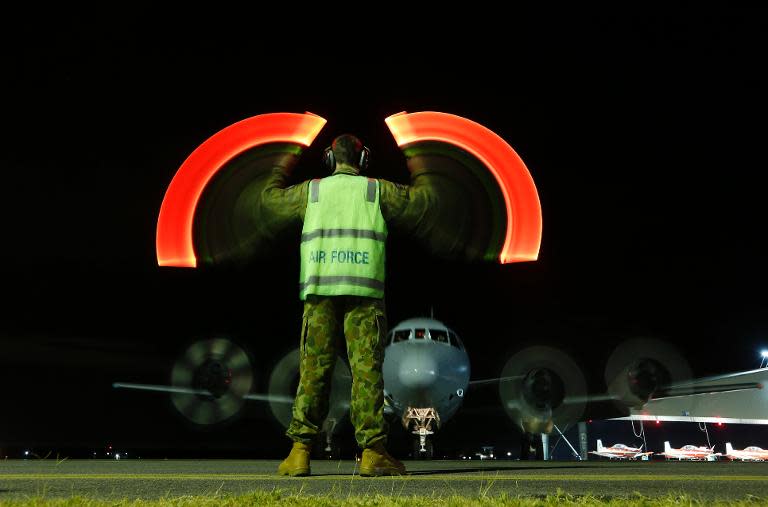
406	207
282	206
433	211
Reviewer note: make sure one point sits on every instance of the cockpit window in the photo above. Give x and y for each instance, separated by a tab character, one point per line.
455	340
420	334
439	335
401	336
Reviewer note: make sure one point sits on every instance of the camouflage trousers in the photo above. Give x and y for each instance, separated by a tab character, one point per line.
364	326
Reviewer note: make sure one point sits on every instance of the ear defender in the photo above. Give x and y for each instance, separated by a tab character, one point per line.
365	155
329	160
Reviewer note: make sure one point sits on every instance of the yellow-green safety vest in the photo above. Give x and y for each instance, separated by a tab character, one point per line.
343	238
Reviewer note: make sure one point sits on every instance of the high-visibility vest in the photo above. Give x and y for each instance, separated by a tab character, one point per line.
343	238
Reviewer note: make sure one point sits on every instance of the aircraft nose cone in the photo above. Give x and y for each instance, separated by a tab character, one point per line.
418	371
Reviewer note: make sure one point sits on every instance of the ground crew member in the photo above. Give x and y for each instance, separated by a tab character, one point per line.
343	243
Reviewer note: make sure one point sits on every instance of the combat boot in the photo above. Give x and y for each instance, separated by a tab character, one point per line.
376	461
297	462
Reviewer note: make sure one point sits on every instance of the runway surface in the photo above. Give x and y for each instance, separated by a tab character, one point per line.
159	478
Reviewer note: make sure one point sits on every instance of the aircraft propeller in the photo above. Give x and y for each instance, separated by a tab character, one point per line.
547	388
284	380
640	369
210	380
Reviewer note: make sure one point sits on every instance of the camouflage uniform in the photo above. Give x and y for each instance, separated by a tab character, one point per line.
363	320
364	326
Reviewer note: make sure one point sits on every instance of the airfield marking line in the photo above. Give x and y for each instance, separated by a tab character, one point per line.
420	477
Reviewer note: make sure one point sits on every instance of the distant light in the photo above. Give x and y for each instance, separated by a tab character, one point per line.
491	455
509	454
26	453
764	353
117	455
658	423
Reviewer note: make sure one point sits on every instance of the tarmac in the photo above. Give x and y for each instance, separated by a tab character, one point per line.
147	479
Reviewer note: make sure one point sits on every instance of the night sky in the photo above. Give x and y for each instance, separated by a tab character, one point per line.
645	136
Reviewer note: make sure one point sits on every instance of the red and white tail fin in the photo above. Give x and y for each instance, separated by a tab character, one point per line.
600	447
728	448
667	447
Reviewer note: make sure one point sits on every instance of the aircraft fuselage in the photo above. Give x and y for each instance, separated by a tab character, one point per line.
425	366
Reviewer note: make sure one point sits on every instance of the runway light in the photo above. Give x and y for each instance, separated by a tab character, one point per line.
509	453
26	453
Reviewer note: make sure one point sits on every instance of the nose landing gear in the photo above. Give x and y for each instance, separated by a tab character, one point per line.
421	420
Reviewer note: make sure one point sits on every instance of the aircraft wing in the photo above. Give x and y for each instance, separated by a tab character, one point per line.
272	398
493	381
737	398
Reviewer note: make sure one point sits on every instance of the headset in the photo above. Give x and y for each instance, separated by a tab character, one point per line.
329	160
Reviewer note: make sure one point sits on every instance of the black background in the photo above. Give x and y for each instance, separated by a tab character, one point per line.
644	133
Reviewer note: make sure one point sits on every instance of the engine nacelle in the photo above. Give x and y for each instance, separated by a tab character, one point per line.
211	379
638	381
640	368
541	387
285	378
